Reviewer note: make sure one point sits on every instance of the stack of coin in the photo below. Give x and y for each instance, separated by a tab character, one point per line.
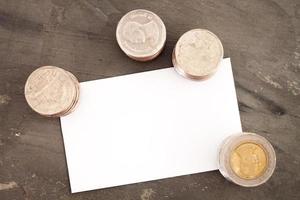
52	91
197	54
247	159
141	35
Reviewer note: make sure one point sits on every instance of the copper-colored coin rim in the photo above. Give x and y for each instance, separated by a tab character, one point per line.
76	101
189	76
145	59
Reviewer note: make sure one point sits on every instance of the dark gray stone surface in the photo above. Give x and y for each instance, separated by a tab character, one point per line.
262	37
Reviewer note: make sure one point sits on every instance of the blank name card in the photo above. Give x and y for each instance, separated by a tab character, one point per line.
148	126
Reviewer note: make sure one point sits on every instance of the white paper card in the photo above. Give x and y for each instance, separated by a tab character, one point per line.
148	126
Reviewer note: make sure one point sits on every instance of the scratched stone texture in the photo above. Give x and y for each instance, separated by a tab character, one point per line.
262	37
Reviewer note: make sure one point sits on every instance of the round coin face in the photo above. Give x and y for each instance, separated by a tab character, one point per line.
49	90
141	34
248	160
197	54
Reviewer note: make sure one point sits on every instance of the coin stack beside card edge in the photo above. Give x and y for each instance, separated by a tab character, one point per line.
52	91
202	70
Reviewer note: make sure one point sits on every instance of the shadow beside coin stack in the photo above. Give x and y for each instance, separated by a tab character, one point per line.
52	91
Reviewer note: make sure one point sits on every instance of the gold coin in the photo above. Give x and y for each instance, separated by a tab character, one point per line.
248	160
197	54
49	90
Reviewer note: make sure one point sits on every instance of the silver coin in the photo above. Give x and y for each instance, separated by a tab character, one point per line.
141	34
197	54
50	91
76	99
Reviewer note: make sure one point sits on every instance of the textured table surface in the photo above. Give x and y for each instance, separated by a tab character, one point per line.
262	37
